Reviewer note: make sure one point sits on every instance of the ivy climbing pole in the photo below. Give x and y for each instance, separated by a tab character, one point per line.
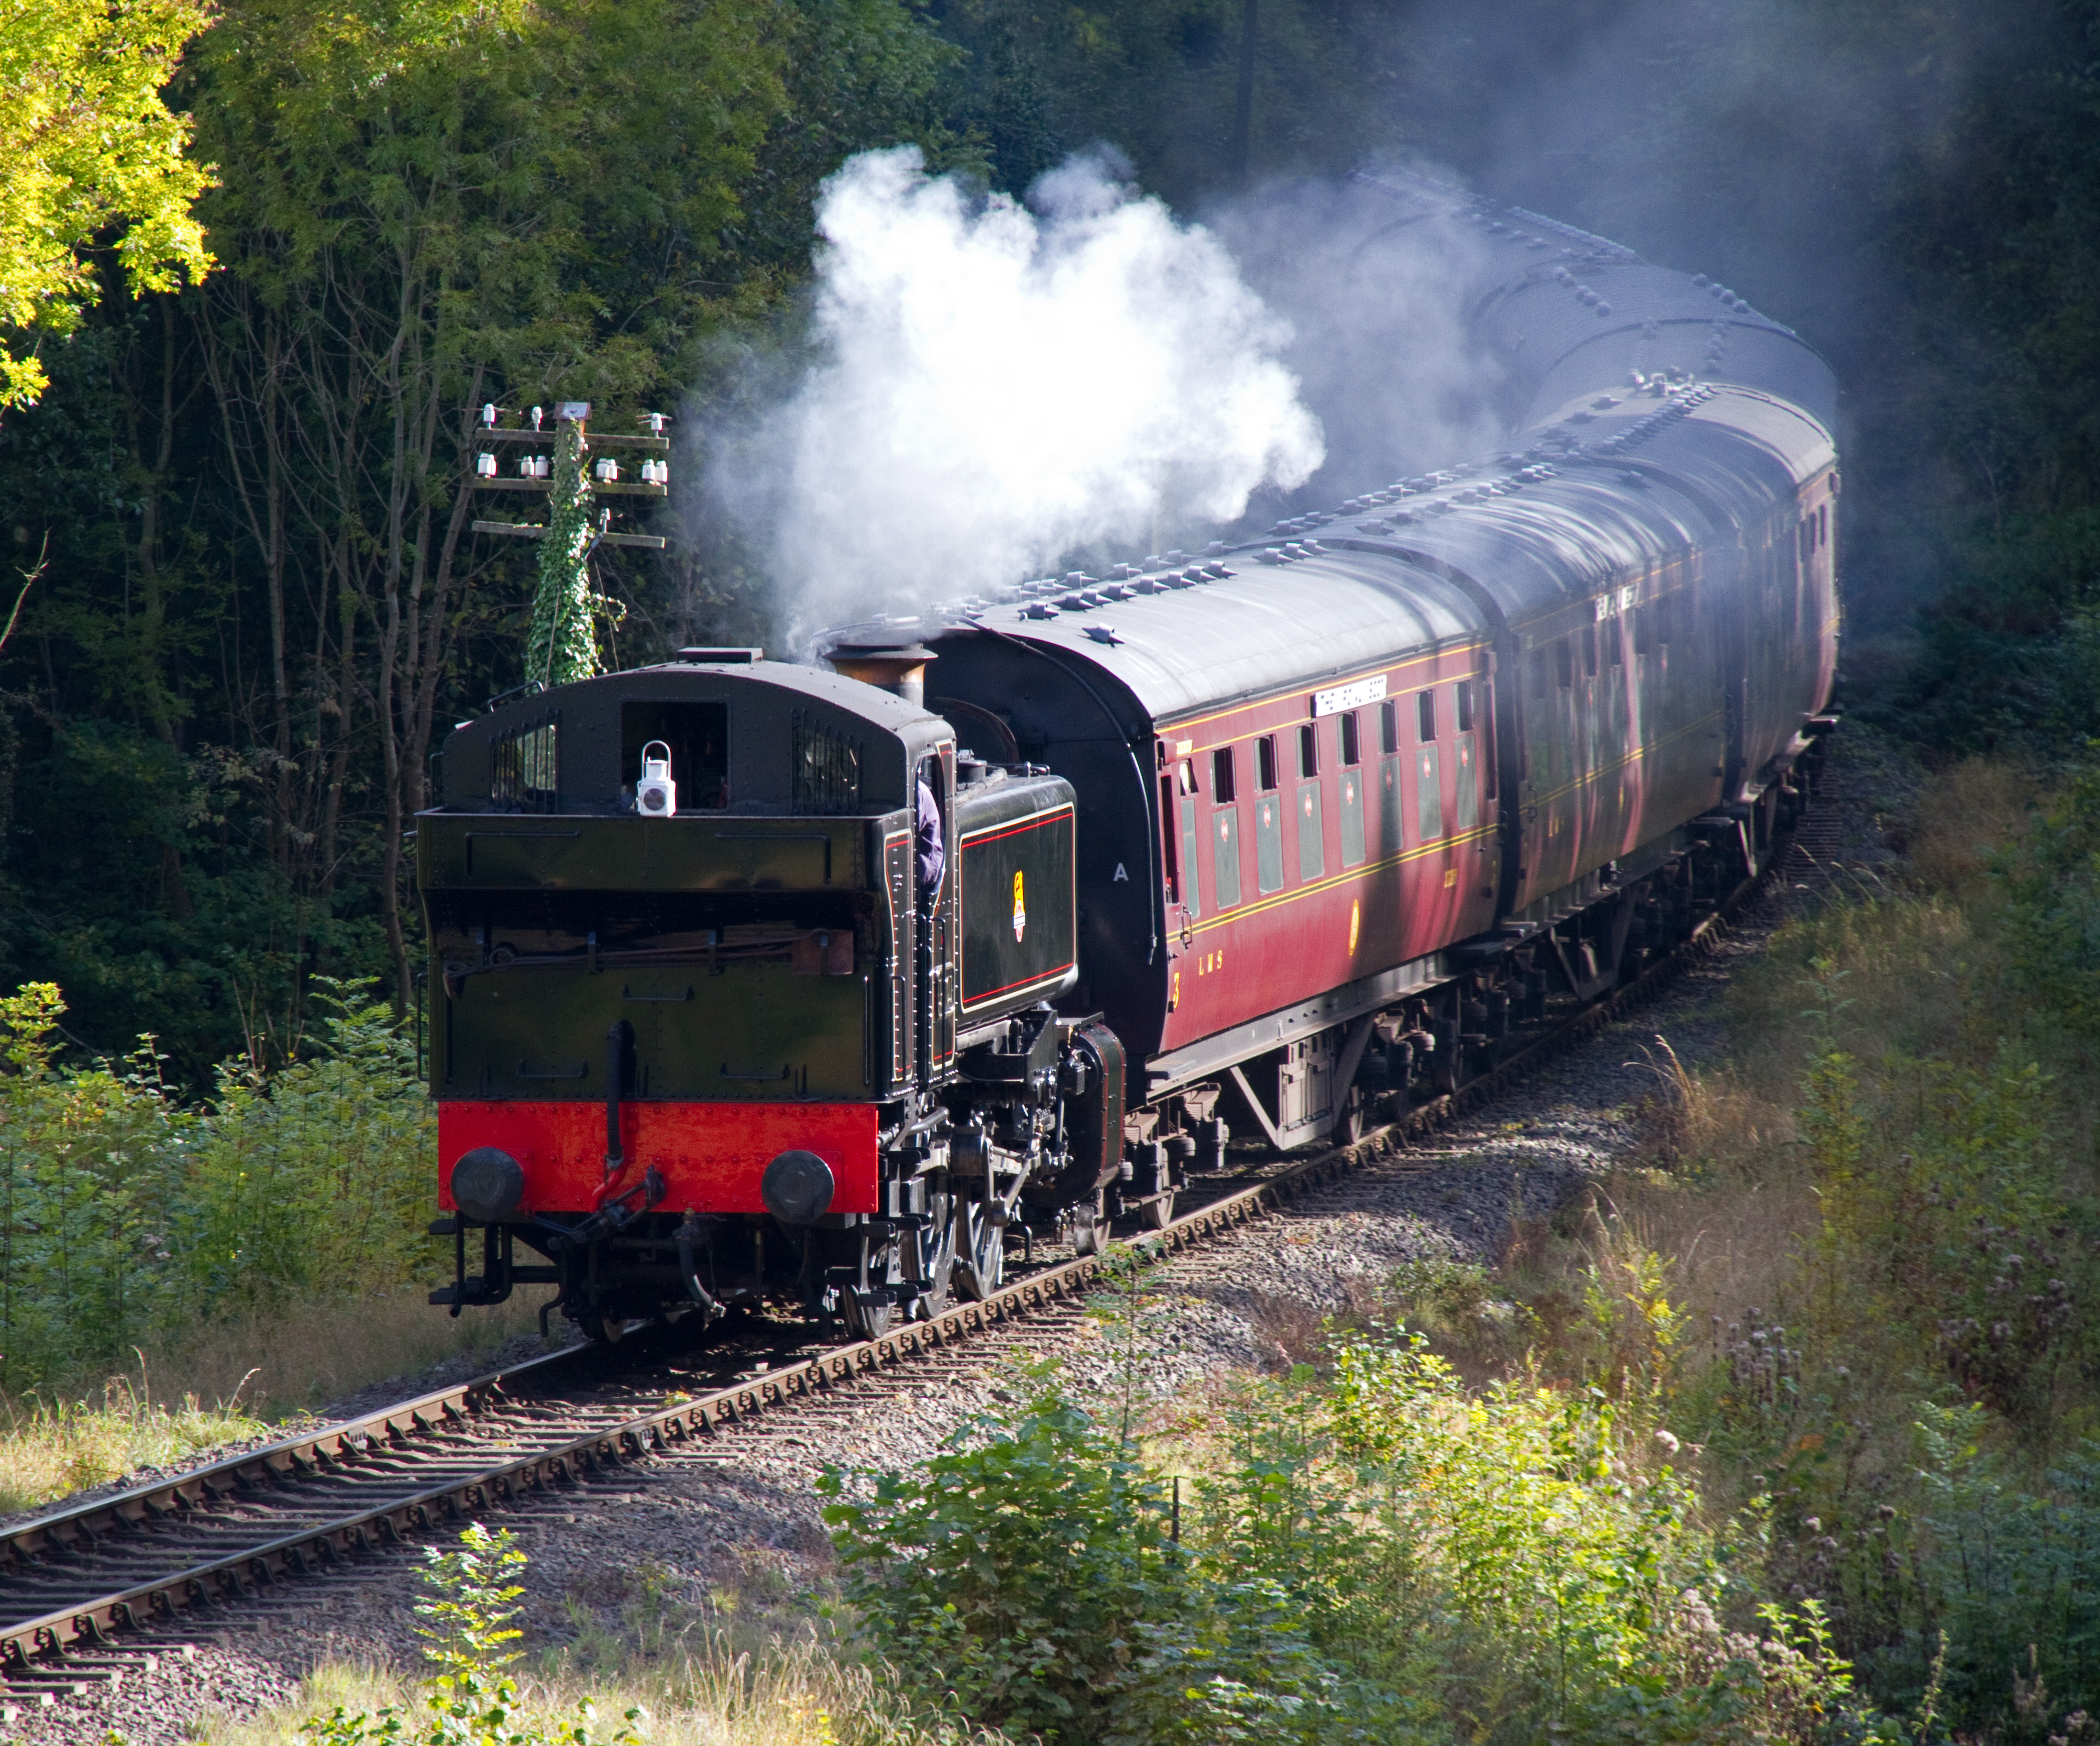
573	469
562	646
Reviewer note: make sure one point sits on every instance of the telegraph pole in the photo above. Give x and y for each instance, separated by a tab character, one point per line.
562	647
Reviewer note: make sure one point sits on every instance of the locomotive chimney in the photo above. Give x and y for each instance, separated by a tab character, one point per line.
896	667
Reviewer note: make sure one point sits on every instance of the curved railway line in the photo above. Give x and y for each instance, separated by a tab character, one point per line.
89	1590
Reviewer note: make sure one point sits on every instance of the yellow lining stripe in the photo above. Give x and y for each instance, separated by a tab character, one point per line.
1635	757
1275	899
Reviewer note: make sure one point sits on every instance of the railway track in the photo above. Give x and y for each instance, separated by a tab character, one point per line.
87	1590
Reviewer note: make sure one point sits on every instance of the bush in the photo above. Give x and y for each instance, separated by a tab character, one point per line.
1390	1557
126	1216
1036	1570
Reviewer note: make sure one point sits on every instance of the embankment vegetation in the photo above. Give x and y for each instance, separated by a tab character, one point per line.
171	1269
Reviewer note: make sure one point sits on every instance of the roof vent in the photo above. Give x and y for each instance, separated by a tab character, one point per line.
720	657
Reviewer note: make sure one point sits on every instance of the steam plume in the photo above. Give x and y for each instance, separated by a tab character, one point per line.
995	387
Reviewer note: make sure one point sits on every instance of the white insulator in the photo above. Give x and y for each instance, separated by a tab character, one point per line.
606	471
485	464
528	467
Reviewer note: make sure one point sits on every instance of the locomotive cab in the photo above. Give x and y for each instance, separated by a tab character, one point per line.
704	1013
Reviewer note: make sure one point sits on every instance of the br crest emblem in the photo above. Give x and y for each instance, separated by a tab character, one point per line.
1019	911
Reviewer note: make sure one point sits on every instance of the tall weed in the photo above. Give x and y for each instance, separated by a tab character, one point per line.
128	1219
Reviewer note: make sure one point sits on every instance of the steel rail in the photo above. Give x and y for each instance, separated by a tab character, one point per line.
29	1644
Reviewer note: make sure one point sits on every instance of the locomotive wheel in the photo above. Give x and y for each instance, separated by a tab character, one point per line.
605	1329
1350	1128
1157	1213
1089	1227
937	1257
864	1321
980	1250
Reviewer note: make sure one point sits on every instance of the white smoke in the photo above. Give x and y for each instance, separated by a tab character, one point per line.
995	387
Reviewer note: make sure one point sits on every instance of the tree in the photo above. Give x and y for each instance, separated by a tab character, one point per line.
90	149
442	202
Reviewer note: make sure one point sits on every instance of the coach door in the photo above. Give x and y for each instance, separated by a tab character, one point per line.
1476	785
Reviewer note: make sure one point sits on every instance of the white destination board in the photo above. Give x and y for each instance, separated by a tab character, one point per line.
1353	695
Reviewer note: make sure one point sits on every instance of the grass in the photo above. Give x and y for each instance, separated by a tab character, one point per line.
748	1665
48	1451
799	1693
311	1353
259	1373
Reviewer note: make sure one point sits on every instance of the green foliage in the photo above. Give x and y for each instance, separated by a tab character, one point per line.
90	146
2009	660
2052	879
468	1613
125	1216
159	908
1519	1497
317	1173
1390	1557
1036	1571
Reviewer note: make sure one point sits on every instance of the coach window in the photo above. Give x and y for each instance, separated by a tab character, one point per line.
1268	818
1461	699
1312	825
1390	839
1564	664
1644	619
1587	637
1428	794
1224	830
1352	794
1425	717
1822	525
1615	644
1185	799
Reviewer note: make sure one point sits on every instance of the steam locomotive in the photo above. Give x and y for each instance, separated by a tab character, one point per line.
762	981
